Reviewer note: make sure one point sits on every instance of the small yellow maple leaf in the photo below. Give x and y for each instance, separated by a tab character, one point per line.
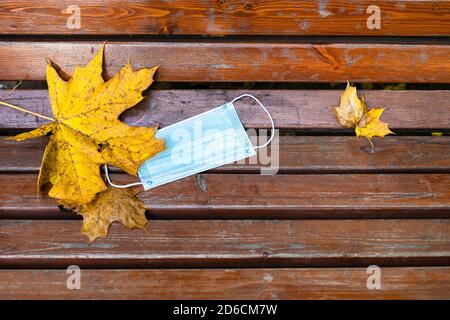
353	113
370	125
87	133
109	206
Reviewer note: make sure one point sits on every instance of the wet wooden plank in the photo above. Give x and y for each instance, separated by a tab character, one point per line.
239	61
181	17
261	196
229	243
308	283
290	109
293	154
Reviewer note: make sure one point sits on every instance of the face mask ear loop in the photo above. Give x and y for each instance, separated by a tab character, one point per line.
268	113
121	186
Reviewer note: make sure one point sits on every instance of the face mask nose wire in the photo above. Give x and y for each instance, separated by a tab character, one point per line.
268	114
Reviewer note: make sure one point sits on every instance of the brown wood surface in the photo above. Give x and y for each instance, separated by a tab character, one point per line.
259	197
266	17
238	61
326	180
290	109
224	243
308	283
297	154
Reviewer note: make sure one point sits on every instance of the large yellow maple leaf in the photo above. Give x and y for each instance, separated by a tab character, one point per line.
353	113
87	133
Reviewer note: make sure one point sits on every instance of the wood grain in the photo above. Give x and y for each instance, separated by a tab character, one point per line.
290	109
222	243
296	154
325	181
261	196
248	284
263	17
238	61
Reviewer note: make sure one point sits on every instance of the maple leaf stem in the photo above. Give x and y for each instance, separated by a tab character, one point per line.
12	90
371	143
26	111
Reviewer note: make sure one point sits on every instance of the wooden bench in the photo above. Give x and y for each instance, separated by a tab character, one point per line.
336	205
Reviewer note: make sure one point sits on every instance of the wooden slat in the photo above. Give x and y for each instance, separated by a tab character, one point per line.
317	283
239	61
256	196
229	243
297	154
266	17
295	109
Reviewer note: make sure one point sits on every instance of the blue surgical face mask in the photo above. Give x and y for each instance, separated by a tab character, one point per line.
205	141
